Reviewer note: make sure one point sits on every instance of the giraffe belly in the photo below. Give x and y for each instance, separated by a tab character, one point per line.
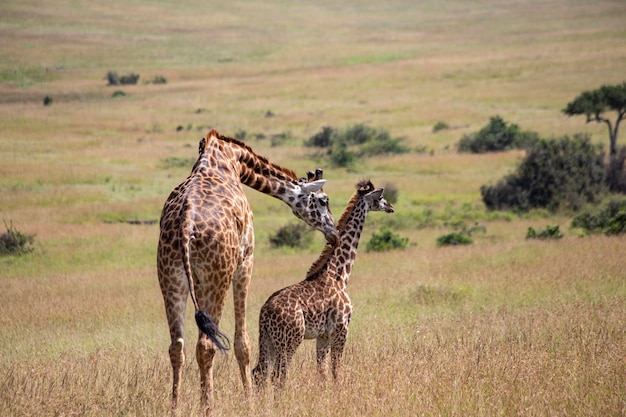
317	325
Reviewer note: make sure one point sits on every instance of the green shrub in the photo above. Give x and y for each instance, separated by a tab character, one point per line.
47	100
561	173
322	139
158	79
453	239
386	240
113	78
609	218
340	156
280	138
382	144
344	147
294	235
129	79
118	93
440	126
241	135
497	136
13	242
616	224
550	232
360	134
462	237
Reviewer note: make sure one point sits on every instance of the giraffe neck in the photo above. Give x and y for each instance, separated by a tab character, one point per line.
335	263
344	254
258	173
254	171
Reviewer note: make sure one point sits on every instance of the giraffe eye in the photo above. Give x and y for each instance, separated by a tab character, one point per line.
323	203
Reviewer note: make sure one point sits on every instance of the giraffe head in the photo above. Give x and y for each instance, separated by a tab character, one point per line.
312	206
374	197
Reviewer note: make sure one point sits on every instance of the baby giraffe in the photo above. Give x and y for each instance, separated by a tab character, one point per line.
318	307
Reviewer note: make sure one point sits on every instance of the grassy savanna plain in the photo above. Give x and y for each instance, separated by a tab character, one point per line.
503	327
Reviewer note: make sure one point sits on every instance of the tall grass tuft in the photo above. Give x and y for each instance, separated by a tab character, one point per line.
14	242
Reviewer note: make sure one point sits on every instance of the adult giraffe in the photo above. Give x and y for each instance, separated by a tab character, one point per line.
207	242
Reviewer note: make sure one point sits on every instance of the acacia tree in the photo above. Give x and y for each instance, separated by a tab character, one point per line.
595	103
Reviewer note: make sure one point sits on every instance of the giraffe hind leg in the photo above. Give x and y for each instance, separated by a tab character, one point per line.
177	359
205	353
266	359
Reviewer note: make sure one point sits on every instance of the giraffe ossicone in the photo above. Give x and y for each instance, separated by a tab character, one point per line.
206	245
318	307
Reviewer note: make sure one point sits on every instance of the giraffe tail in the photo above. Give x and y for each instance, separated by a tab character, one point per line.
204	322
209	328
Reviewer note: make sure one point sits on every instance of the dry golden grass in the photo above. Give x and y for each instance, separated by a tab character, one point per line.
527	328
502	327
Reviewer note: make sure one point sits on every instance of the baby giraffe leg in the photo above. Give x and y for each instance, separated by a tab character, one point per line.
323	349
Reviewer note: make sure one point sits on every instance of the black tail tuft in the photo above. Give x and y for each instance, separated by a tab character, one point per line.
208	327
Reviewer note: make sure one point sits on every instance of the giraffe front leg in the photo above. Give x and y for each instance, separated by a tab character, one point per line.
338	344
323	349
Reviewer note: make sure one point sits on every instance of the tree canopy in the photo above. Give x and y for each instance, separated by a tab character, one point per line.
595	103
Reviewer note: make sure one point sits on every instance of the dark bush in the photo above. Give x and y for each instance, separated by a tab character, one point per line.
113	78
158	79
364	140
440	126
13	242
550	232
129	79
280	138
560	173
340	156
241	135
321	139
463	236
386	240
344	147
382	144
617	224
497	136
609	218
360	134
295	235
453	239
47	100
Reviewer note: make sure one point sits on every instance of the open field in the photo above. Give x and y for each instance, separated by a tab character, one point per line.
503	327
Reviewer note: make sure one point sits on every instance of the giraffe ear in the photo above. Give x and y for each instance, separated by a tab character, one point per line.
376	194
201	146
311	187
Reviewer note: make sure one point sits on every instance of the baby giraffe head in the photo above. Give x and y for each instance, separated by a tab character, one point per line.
374	197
